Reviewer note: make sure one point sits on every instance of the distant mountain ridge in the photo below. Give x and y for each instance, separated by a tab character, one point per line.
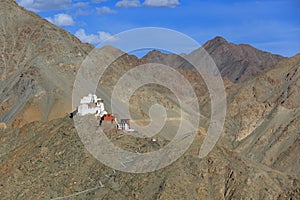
239	62
236	62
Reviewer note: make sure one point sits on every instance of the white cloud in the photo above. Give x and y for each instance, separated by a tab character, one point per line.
92	38
61	20
81	12
161	3
105	10
128	3
148	3
80	5
41	5
98	1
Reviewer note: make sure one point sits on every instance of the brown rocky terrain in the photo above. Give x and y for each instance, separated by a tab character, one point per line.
256	157
236	62
48	161
37	66
42	156
265	117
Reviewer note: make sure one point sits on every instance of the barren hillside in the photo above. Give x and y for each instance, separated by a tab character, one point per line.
37	66
256	157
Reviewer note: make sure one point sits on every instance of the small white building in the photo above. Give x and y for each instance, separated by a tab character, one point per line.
91	104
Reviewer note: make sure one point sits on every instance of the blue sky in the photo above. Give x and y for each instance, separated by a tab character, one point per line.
270	25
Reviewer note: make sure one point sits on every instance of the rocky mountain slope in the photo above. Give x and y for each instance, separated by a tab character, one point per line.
38	63
264	117
48	161
256	157
235	62
239	62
